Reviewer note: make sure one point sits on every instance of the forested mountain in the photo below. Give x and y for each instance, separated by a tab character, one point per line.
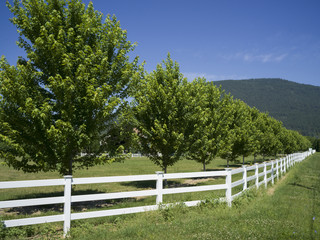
296	105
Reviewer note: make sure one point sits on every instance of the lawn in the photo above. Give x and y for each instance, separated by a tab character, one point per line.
133	166
263	210
288	210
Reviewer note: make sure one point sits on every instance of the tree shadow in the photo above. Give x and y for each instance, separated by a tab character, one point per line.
238	163
152	184
233	165
140	184
213	169
302	186
76	206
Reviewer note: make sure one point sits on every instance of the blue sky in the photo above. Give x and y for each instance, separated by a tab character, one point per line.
215	39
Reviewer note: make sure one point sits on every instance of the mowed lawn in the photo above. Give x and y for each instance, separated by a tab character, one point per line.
288	210
132	166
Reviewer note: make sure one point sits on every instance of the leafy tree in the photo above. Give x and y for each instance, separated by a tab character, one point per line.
270	140
315	143
209	121
289	141
248	140
160	108
296	105
293	142
255	131
63	99
303	142
239	136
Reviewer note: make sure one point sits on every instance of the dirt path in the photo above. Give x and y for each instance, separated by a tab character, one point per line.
271	190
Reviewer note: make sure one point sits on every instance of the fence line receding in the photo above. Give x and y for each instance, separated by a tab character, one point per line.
276	169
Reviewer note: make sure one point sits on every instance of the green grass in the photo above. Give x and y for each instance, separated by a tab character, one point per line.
173	223
291	211
133	166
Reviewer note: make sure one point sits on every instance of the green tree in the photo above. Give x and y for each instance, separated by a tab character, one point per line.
315	143
303	142
271	130
63	99
289	140
160	109
255	131
248	140
239	137
209	121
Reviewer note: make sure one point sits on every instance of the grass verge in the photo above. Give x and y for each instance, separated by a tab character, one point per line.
290	211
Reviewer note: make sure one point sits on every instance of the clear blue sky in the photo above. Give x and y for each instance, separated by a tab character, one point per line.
213	38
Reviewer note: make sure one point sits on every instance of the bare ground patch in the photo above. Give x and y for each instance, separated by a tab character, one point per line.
271	190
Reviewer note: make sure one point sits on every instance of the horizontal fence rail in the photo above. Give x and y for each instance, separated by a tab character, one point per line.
276	169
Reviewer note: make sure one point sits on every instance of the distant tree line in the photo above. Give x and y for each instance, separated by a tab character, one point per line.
175	118
296	105
66	105
315	143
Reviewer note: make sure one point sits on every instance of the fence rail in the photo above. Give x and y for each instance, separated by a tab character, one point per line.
277	167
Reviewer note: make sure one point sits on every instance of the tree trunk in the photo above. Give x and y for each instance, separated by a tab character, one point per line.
254	158
204	166
243	159
70	167
165	184
227	163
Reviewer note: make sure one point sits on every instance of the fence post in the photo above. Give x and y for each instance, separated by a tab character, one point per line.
277	169
229	189
257	175
67	204
265	174
290	162
284	165
272	172
159	187
244	176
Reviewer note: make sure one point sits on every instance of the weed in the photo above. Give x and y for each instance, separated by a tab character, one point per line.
246	197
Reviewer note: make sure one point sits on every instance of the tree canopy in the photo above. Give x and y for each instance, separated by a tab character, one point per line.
64	106
160	109
208	123
63	99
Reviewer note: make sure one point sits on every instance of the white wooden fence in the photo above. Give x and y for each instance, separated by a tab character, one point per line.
136	155
276	168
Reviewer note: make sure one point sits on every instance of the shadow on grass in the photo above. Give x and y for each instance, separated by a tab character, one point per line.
302	186
213	169
140	184
56	194
152	184
186	182
238	163
77	206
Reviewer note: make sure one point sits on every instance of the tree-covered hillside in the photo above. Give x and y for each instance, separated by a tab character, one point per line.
296	105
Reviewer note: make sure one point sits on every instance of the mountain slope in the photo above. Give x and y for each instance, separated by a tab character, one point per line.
296	105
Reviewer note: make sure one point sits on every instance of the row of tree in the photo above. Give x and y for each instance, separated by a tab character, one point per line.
175	118
67	97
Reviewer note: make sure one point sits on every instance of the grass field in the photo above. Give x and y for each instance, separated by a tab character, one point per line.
290	210
133	166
